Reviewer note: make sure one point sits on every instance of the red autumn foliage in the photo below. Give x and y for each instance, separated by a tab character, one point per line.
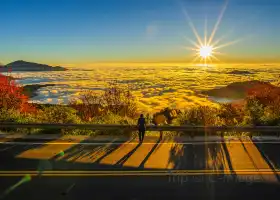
12	97
266	94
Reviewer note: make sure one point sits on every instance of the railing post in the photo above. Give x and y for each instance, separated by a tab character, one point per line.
250	135
190	130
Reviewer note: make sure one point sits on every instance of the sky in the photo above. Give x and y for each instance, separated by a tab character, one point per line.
83	32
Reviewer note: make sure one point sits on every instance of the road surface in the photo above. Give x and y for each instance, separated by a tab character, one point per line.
114	168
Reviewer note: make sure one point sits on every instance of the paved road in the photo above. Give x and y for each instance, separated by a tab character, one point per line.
136	187
63	168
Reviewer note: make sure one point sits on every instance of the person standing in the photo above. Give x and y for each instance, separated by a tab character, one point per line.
141	127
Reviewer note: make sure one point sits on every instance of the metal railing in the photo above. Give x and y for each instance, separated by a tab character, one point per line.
134	127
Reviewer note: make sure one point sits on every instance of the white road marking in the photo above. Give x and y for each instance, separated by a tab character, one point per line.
68	189
119	143
7	148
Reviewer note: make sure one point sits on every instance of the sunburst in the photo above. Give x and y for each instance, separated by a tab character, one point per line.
206	49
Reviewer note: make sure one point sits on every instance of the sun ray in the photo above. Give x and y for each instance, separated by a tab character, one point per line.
206	50
196	53
221	38
205	32
215	57
218	23
218	53
193	42
227	44
195	59
218	41
193	27
189	48
210	58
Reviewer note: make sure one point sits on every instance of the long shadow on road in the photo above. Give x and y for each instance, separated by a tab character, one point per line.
10	150
270	153
127	156
200	156
142	164
43	154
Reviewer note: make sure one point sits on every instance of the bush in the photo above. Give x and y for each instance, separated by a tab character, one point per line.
199	115
17	117
270	117
116	100
230	114
165	116
59	114
111	118
12	97
254	110
88	105
263	105
119	100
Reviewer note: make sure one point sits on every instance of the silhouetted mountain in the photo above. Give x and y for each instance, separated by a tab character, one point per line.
21	65
236	90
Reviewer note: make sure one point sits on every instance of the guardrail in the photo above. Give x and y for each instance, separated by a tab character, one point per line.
134	127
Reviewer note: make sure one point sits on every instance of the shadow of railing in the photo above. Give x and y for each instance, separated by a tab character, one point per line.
192	148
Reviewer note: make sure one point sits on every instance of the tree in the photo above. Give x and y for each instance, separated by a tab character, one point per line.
114	99
119	100
88	105
12	97
263	104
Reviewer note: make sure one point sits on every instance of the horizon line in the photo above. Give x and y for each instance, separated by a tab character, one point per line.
92	64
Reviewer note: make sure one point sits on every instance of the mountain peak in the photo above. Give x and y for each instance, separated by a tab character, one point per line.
21	65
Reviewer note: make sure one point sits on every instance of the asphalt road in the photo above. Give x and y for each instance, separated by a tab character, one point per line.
155	169
134	187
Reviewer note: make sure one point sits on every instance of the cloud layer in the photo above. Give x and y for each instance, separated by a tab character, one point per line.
155	87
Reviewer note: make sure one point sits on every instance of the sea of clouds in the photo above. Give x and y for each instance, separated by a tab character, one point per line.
155	87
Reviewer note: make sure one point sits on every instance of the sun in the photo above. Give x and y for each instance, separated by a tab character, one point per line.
205	51
206	48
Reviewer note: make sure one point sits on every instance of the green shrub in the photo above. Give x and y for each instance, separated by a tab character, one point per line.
230	115
254	111
59	114
270	117
111	118
199	116
16	116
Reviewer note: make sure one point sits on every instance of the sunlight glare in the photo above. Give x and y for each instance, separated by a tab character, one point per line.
205	51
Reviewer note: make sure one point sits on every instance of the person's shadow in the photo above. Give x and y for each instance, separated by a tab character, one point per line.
160	135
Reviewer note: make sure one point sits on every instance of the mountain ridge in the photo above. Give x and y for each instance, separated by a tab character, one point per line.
236	90
21	65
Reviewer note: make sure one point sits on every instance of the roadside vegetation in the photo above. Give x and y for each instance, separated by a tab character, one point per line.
117	105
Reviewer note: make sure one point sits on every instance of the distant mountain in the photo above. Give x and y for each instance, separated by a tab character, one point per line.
21	65
236	90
